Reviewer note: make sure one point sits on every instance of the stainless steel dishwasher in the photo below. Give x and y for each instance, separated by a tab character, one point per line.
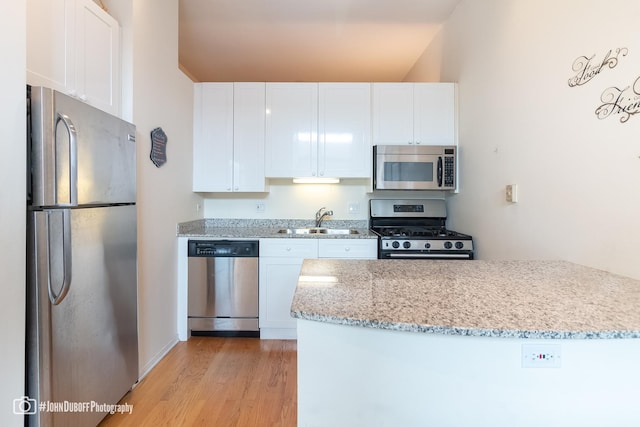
223	287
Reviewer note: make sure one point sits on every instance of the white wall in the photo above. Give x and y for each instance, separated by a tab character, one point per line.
521	123
12	207
160	96
291	201
286	200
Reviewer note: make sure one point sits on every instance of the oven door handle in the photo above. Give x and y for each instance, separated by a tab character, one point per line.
430	256
440	171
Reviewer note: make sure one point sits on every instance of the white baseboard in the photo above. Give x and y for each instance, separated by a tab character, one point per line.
157	357
278	333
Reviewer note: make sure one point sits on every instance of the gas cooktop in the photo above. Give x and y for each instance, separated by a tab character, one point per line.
416	229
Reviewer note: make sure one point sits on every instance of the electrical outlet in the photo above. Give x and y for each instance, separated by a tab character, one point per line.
260	207
541	355
511	193
354	208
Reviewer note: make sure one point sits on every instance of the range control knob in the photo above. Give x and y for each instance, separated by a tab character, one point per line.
459	245
448	245
406	245
395	245
427	245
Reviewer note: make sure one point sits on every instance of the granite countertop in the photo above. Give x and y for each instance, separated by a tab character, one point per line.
264	228
510	299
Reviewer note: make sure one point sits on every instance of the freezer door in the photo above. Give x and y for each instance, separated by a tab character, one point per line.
80	155
83	341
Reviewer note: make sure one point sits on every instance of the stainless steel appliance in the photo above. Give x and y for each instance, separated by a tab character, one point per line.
410	229
223	287
82	342
414	167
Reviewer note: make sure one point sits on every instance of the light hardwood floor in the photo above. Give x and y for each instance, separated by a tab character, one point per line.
217	382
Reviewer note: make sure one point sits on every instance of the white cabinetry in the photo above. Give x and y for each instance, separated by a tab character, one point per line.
348	248
414	113
280	262
318	130
73	46
228	147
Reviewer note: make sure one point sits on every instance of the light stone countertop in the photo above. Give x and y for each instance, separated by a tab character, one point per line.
268	228
510	299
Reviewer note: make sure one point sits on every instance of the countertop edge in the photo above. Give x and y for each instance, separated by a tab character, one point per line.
468	332
267	229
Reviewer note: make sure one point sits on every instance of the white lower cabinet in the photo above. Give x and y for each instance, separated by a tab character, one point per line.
280	262
348	248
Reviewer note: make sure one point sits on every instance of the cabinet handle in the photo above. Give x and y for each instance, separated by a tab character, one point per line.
410	142
417	142
237	188
228	188
347	249
288	249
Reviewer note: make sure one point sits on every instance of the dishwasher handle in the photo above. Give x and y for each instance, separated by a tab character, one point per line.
223	248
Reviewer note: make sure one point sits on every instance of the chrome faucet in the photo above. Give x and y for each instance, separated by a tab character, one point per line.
320	215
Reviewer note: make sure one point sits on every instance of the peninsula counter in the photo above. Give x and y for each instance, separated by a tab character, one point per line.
449	343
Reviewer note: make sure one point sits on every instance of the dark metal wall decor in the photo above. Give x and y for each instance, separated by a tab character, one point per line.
625	102
158	147
586	68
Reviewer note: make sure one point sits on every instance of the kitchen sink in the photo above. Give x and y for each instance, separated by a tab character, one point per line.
318	230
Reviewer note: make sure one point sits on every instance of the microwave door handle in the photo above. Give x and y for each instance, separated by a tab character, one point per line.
439	171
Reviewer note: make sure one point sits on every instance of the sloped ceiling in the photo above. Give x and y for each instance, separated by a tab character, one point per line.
305	40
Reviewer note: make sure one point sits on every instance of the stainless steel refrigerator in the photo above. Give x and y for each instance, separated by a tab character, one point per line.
82	342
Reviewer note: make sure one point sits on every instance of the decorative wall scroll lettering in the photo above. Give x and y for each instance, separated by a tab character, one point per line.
586	68
625	102
158	147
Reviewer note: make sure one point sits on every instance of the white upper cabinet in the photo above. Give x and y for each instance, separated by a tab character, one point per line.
228	146
291	143
344	129
318	130
73	46
414	113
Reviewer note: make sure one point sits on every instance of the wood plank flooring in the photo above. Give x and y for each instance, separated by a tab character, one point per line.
220	382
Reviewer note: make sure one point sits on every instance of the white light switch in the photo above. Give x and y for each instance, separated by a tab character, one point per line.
512	193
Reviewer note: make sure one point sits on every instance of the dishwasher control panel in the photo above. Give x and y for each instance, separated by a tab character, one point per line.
223	248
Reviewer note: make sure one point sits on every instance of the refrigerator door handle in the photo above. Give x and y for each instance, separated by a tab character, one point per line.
73	157
66	257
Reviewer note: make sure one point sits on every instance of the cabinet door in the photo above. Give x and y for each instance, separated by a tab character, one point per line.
291	130
248	136
280	278
97	66
213	137
50	48
348	248
435	113
73	46
392	113
344	130
280	262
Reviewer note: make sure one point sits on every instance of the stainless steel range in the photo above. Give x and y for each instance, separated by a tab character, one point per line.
411	229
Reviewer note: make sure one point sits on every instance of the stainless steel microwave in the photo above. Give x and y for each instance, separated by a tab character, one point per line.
414	167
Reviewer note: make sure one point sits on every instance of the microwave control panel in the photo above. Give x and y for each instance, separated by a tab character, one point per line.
449	172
